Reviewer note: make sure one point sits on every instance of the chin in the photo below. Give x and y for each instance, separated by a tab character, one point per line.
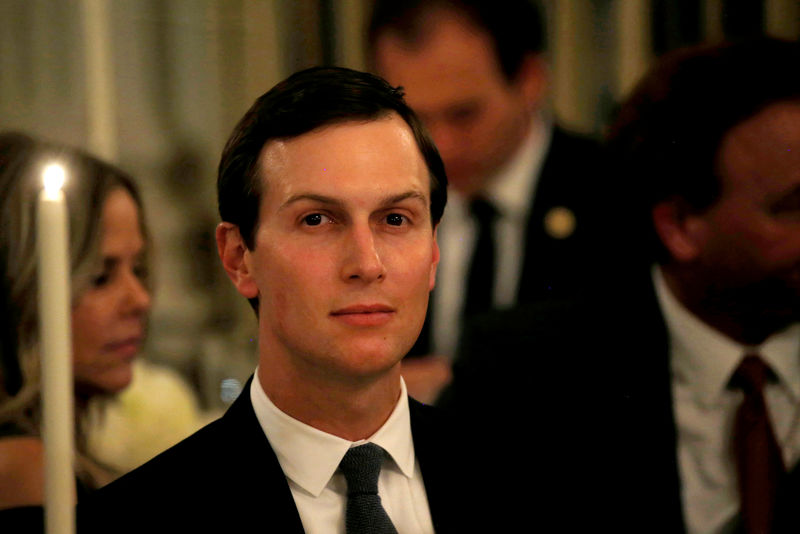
109	383
371	360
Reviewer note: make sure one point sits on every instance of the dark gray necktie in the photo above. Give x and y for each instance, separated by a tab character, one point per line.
480	277
361	467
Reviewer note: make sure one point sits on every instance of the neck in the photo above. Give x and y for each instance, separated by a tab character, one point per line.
352	409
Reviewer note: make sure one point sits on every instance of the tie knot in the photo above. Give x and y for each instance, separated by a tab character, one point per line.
752	374
361	467
483	210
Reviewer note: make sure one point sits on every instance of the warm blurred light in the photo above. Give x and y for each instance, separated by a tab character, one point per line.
53	176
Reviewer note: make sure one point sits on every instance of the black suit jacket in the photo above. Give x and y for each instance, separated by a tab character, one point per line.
592	376
571	177
226	478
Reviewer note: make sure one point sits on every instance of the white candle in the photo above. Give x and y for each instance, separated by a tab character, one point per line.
58	423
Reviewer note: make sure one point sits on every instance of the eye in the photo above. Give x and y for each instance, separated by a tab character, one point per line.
141	271
315	219
100	279
395	219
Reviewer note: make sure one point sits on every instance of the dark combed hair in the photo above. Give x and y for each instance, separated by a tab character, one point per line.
666	138
307	100
515	26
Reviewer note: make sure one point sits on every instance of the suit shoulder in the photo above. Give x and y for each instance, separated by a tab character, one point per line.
564	143
570	172
198	484
435	430
173	464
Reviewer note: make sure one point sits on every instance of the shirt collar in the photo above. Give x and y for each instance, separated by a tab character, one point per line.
511	187
704	359
310	457
782	352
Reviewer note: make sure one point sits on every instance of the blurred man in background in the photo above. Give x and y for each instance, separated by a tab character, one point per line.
681	369
517	225
709	146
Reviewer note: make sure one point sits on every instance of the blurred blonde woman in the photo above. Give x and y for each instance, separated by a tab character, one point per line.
110	303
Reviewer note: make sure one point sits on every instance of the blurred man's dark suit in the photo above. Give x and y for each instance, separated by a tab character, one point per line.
569	181
226	478
590	378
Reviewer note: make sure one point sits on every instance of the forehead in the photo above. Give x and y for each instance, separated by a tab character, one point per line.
347	158
452	60
763	152
121	225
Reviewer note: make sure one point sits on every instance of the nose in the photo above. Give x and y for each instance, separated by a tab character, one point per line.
136	295
362	258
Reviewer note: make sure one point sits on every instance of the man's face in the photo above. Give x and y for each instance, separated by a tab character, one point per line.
751	246
453	80
345	252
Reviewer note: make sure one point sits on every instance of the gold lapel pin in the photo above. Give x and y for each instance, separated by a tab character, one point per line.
560	222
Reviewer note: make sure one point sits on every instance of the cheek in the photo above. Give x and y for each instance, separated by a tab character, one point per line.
419	268
782	246
501	120
87	324
482	139
293	277
758	246
765	239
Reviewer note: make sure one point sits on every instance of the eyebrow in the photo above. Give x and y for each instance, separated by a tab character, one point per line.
333	201
111	260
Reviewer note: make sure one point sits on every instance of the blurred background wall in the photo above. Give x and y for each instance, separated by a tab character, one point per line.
157	85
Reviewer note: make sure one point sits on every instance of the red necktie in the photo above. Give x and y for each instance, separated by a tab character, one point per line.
758	457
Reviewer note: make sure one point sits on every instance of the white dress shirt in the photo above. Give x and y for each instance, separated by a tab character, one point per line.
310	457
510	191
702	361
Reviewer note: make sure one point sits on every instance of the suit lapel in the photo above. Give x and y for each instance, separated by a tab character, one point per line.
648	415
437	449
252	456
552	263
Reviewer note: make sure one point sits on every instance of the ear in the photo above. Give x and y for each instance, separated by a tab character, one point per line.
679	228
435	260
532	79
236	258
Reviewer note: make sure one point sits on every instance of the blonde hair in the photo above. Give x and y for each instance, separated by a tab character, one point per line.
89	183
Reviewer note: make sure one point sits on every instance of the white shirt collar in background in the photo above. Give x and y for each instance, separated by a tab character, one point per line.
702	361
511	191
705	359
511	188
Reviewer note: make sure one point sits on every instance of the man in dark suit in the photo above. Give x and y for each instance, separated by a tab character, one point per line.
330	193
682	367
521	188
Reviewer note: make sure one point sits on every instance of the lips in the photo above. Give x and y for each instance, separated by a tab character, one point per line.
364	314
127	347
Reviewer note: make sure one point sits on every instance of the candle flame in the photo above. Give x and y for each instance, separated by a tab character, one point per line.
53	176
